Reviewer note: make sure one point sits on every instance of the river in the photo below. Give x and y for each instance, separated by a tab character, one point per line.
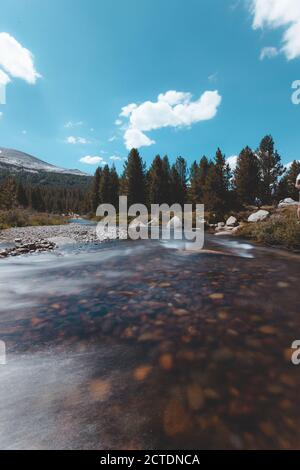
144	345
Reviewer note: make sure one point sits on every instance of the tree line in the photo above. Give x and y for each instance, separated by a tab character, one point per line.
258	179
15	193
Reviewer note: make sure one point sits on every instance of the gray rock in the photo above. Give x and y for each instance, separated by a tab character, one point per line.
258	216
231	222
287	202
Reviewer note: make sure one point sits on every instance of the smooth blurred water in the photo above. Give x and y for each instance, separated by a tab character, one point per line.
148	345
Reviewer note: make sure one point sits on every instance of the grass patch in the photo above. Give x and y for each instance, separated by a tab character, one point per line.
25	218
281	229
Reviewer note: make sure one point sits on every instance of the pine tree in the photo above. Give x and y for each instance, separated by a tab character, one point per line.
179	179
21	195
270	169
156	187
166	179
8	193
105	195
95	199
216	189
286	187
134	179
195	190
114	187
246	177
204	167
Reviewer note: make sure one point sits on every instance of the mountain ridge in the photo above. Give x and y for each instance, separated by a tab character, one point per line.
16	160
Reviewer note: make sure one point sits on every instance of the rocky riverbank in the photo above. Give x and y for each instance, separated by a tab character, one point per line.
22	240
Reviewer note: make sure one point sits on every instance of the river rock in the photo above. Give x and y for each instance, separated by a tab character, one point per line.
287	202
258	216
231	222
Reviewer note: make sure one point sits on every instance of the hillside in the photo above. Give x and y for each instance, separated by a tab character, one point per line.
35	171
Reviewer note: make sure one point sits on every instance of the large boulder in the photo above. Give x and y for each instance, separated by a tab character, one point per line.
287	202
258	216
231	222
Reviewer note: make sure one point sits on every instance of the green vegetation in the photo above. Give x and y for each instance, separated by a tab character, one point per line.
281	229
23	218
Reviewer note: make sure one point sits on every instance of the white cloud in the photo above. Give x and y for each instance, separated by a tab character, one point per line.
172	109
173	97
24	132
277	14
16	60
89	160
134	138
268	53
71	124
115	158
127	110
118	122
112	139
1	114
76	140
232	161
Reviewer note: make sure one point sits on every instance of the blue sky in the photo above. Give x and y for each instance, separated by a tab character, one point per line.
96	57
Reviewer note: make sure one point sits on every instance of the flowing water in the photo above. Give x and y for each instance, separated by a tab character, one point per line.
130	345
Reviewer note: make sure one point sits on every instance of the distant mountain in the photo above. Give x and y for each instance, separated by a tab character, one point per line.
15	161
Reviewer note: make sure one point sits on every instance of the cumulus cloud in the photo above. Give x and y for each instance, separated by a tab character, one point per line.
172	109
280	14
115	158
71	139
92	160
16	60
268	53
135	138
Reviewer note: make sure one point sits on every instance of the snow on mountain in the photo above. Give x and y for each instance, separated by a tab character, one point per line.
22	161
